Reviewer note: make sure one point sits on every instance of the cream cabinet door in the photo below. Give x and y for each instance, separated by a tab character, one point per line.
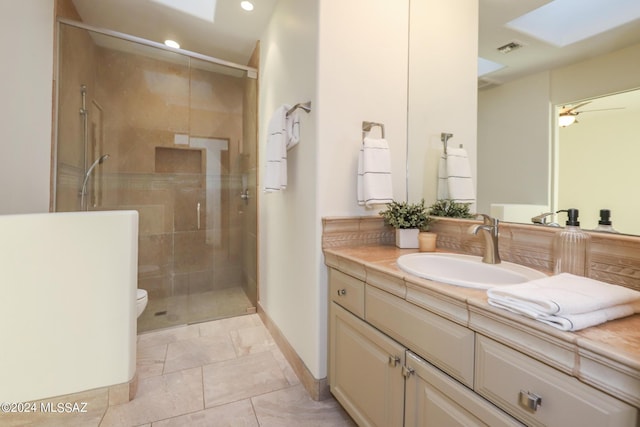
433	399
365	371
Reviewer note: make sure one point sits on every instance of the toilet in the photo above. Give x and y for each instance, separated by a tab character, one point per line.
141	300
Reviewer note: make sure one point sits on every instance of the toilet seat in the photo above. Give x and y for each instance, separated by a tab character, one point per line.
141	294
141	300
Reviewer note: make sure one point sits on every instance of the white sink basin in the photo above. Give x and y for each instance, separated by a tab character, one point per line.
466	270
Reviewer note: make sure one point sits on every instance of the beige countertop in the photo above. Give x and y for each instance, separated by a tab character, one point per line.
593	355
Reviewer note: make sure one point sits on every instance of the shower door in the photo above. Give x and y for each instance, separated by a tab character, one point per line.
181	151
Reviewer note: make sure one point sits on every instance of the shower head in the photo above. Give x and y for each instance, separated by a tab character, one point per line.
97	162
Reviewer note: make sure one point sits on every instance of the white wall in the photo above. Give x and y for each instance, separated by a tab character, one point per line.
68	310
362	77
25	110
288	230
317	51
514	122
443	87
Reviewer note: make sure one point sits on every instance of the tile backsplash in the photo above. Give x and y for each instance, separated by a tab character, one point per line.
615	258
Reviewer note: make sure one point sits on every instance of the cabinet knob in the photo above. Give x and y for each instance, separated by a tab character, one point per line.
342	292
530	401
394	360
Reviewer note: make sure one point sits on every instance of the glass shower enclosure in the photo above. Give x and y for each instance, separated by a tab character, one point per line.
173	137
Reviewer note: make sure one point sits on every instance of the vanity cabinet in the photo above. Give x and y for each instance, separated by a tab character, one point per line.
393	363
365	371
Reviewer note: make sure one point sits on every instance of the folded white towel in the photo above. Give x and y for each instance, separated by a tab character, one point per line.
275	178
374	183
566	301
454	177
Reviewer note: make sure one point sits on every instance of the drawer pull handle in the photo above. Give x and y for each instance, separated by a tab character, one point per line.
530	401
407	371
394	360
342	292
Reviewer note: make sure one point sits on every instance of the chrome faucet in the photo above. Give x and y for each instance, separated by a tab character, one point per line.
490	232
542	219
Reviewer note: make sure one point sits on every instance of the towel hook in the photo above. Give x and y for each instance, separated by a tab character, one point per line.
444	137
306	106
366	127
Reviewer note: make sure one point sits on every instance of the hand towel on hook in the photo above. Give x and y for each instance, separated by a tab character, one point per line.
454	177
293	129
374	183
275	177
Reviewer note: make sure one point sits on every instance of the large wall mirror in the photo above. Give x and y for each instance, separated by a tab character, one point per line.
526	162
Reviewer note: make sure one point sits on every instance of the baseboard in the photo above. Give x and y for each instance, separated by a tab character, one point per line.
318	389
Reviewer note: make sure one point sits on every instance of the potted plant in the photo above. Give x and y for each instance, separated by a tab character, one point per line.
451	209
408	219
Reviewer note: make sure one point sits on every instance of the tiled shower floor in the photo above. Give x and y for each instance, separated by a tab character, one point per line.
226	372
176	310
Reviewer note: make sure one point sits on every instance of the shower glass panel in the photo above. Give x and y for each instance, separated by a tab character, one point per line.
180	137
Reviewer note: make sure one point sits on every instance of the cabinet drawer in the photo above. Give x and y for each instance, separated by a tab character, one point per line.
515	382
347	291
443	343
435	399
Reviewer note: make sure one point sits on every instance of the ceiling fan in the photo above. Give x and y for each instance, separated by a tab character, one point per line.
568	115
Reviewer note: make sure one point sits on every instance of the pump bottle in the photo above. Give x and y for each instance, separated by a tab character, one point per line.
571	247
605	222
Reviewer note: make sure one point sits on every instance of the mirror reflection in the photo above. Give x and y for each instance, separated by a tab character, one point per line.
597	157
526	163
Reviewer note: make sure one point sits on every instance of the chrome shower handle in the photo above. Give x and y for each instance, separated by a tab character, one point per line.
198	214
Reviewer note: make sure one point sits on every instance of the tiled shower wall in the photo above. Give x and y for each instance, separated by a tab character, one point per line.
138	104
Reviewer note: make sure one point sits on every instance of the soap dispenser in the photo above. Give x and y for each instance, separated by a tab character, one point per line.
571	247
605	222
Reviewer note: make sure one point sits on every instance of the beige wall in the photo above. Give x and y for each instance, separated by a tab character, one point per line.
26	87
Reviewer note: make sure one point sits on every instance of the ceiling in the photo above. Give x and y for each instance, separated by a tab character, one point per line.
231	37
535	55
234	33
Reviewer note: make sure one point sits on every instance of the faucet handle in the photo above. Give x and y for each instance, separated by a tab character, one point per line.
488	220
542	218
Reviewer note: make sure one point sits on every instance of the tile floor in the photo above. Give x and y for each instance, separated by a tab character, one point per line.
227	372
165	312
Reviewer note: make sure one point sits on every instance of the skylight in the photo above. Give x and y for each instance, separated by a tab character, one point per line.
485	66
563	22
203	9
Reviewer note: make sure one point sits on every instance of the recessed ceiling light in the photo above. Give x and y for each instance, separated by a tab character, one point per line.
172	43
246	5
